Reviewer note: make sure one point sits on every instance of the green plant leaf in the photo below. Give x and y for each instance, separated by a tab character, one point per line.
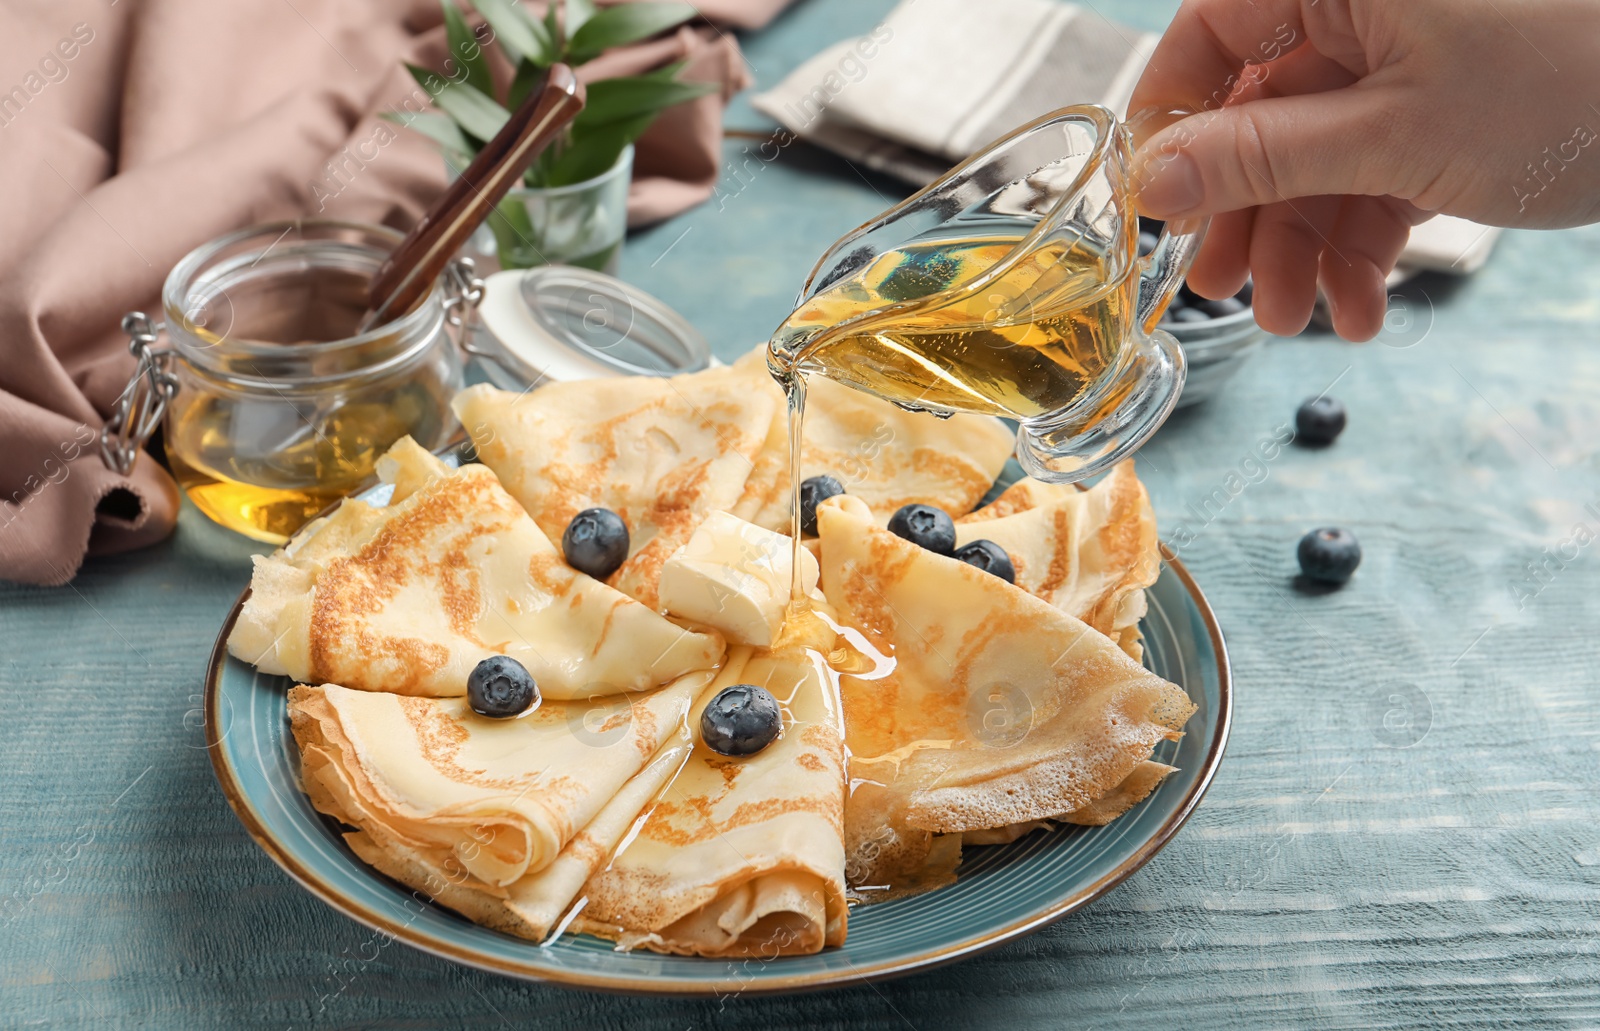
578	12
612	100
552	26
465	49
523	36
623	24
594	152
477	114
438	128
528	76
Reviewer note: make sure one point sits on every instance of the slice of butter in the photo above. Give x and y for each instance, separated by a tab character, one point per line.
733	576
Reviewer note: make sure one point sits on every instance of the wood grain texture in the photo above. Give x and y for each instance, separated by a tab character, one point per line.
1403	834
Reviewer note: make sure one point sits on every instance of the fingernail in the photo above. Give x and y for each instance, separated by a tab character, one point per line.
1172	185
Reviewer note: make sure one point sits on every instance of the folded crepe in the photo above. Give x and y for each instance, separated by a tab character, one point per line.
410	597
662	452
1089	553
741	856
1135	788
1000	709
884	455
429	780
1026	493
538	903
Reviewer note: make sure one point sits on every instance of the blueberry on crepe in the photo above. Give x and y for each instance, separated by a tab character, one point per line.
989	557
740	720
501	687
926	527
596	542
814	490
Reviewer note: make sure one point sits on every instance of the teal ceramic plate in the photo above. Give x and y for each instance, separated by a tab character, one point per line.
1002	891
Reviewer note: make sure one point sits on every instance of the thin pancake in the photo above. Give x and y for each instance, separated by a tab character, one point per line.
1026	493
884	455
533	905
410	597
1135	788
742	857
660	452
1089	553
500	797
1001	709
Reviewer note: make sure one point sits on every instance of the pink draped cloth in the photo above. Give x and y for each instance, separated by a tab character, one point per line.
131	133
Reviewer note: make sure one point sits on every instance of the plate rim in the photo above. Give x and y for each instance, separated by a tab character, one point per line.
244	810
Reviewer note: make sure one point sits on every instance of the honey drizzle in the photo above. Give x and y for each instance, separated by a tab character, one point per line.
794	389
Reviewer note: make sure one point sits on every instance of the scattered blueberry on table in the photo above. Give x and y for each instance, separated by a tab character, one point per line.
741	720
989	557
1319	421
1329	555
500	687
814	490
925	526
596	542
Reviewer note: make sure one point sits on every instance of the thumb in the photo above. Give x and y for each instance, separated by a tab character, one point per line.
1264	151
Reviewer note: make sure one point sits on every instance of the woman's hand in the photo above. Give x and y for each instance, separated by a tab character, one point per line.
1328	128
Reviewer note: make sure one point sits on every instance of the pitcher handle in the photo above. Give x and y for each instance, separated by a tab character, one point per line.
1161	272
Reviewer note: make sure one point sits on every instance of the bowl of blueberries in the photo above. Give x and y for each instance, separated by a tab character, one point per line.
1216	336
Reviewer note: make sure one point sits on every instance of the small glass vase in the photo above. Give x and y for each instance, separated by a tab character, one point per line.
582	224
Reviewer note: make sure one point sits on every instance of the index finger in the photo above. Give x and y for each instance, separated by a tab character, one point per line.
1196	64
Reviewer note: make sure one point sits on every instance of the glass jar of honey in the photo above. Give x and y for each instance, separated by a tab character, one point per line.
271	402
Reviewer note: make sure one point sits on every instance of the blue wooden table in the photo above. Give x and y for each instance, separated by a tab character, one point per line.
1403	834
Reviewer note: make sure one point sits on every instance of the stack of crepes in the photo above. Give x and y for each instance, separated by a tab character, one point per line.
601	810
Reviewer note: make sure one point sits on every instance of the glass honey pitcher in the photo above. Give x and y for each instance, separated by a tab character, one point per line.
1012	286
271	405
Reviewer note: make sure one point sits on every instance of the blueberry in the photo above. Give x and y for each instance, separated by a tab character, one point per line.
1223	307
1247	292
596	542
1319	421
741	720
814	490
1147	243
1190	298
1187	314
989	557
926	527
500	687
1329	555
1153	226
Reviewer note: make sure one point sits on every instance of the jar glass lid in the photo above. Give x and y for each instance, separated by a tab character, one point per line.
560	322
